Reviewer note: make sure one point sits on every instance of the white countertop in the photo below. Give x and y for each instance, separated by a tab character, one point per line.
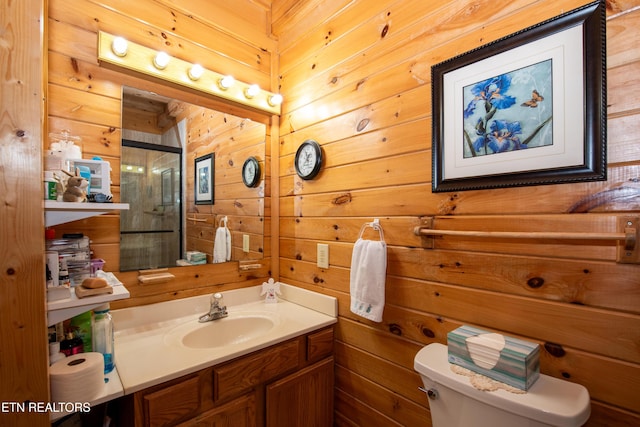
146	355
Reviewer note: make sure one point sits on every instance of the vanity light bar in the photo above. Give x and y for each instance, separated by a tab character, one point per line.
119	52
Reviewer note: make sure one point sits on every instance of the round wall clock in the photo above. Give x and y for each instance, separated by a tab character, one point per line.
308	159
251	172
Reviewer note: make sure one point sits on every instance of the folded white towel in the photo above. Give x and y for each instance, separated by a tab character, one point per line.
368	274
227	236
222	245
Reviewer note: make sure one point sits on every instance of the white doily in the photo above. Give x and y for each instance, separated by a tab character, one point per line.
482	382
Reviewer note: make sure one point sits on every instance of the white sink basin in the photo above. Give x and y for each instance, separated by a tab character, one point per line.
159	342
234	329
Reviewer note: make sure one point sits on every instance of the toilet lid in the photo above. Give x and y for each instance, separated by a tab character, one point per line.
549	400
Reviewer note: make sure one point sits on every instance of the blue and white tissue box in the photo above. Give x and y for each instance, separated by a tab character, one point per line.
505	359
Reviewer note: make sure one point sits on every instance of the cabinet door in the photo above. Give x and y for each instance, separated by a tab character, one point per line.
240	412
302	399
238	376
166	406
319	345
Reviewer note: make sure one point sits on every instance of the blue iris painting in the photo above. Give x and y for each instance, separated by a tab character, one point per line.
509	112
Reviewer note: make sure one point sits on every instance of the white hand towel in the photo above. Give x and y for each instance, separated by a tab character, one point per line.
368	275
227	240
222	245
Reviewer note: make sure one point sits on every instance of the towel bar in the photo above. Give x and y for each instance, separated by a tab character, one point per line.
247	267
628	251
197	219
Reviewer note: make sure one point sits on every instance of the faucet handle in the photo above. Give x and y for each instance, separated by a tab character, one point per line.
215	298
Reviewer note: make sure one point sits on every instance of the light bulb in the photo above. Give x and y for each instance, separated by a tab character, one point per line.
251	91
275	99
161	60
195	72
119	46
226	82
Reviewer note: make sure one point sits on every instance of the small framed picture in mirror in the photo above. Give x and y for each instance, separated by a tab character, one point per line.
204	173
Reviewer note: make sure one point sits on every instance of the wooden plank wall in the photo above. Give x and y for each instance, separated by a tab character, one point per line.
23	359
356	77
86	99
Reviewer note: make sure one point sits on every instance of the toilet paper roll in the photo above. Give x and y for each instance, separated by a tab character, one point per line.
77	378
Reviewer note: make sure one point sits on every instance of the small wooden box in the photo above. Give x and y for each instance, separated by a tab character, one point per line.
518	362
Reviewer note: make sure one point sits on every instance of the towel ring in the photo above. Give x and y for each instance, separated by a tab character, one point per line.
375	224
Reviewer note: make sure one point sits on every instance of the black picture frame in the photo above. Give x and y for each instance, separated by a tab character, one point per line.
477	141
204	173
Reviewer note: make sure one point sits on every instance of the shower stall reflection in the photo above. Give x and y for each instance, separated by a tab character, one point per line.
150	231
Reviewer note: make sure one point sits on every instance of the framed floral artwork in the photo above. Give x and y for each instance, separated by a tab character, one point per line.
528	109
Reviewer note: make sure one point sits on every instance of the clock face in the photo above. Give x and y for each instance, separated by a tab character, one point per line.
308	159
251	172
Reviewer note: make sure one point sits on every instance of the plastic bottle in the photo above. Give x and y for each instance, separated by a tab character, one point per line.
82	325
71	345
54	352
103	336
50	189
64	279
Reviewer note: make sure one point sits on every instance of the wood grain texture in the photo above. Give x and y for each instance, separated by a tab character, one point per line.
162	27
357	78
312	385
24	357
237	376
86	99
362	88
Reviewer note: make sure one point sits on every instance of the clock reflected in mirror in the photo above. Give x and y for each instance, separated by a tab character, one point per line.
251	172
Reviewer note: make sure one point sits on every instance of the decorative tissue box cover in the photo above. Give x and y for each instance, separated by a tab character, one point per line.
518	361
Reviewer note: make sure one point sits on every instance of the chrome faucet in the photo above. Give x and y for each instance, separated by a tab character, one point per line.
216	311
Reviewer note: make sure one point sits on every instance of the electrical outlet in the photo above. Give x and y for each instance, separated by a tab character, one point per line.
245	243
323	255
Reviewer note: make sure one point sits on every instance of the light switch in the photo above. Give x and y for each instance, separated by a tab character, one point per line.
323	255
245	243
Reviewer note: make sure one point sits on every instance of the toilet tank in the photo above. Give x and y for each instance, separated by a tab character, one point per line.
454	402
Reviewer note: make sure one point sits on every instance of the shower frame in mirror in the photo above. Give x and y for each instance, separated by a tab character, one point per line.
167	187
204	179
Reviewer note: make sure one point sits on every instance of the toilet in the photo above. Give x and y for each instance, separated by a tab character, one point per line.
454	402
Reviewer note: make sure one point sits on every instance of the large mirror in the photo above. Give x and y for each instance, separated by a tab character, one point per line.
163	142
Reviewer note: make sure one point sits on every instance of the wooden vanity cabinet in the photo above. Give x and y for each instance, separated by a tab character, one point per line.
302	399
287	384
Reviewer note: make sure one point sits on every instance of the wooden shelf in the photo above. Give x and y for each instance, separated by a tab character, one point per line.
60	212
66	308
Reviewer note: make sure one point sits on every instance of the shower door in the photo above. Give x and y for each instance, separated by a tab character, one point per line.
151	230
